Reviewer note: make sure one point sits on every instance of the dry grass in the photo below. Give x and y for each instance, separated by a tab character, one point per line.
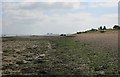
107	41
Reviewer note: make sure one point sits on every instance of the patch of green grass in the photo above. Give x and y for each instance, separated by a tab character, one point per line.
80	54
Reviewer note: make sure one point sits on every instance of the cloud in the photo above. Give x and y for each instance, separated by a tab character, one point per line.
60	0
0	26
41	1
37	18
75	5
104	4
57	24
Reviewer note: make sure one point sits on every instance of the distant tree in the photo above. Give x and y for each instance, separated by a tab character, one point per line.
78	32
104	28
100	28
116	27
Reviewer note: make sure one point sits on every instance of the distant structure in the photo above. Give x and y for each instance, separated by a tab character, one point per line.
3	35
49	33
62	34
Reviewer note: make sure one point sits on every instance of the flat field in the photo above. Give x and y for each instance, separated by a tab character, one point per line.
91	53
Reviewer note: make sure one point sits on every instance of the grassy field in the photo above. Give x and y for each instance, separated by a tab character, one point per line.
84	54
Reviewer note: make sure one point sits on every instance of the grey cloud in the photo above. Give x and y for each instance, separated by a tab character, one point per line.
44	6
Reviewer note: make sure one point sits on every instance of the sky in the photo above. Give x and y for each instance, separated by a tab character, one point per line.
39	17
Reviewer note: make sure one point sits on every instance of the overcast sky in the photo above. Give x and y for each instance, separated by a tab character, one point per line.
23	17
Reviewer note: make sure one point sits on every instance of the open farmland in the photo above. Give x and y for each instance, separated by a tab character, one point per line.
84	54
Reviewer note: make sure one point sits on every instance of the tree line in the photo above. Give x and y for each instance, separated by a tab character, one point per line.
102	29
